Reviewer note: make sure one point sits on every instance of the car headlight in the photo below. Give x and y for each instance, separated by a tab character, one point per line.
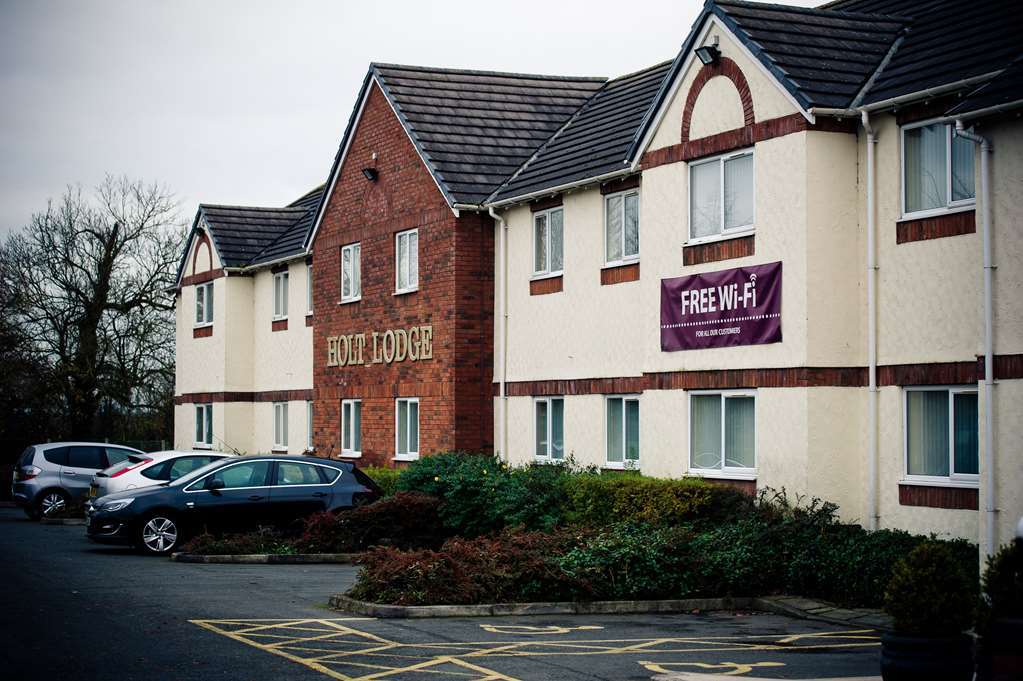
116	505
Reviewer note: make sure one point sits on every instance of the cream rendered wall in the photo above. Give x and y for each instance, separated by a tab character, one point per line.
768	99
281	360
717	109
1007	244
262	428
1008	397
238	334
199	361
232	427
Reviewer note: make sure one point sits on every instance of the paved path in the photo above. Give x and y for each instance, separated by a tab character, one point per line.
76	610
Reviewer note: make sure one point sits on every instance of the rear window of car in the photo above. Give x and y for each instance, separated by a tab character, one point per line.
365	480
116	455
27	457
328	475
85	457
56	455
187	464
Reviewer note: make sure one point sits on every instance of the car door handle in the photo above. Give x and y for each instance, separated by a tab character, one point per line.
255	497
70	473
319	494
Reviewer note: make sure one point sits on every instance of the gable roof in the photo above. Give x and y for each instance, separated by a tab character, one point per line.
475	128
947	42
1002	92
595	141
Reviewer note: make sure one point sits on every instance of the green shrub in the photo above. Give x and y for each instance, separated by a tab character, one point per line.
1002	586
263	540
929	593
405	520
467	484
385	478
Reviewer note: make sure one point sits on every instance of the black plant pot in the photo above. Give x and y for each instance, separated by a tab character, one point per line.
1000	651
921	658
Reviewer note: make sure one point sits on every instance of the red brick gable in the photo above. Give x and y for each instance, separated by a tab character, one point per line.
455	297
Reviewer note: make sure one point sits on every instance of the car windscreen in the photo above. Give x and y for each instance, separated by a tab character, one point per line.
185	479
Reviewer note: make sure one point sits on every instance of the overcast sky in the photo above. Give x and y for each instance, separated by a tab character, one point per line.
245	102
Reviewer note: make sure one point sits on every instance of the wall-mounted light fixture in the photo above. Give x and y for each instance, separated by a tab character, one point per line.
708	54
371	174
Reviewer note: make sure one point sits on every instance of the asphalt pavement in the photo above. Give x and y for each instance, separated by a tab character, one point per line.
76	610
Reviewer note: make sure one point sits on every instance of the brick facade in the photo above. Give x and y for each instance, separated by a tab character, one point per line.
455	296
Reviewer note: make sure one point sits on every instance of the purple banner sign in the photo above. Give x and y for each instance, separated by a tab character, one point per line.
741	306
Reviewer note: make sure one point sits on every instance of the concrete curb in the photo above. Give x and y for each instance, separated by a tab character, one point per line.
62	521
271	559
349	604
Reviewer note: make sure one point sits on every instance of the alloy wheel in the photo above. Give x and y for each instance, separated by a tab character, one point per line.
52	503
159	534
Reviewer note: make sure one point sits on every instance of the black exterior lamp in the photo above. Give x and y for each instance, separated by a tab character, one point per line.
371	174
708	54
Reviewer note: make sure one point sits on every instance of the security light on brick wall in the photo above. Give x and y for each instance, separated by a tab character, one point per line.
370	173
708	54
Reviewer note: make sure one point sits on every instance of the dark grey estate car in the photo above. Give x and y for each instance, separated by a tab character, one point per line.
229	495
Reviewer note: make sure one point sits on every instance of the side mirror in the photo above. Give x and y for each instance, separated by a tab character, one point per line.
215	485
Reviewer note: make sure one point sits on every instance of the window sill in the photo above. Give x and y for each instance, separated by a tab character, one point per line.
939	482
721	475
949	497
547	460
279	450
404	292
938	212
540	287
734	246
956	223
619	263
349	301
547	275
724	236
201	445
619	274
407	457
204	325
632	465
351	455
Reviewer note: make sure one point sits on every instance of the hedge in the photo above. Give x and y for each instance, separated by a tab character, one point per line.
406	520
385	478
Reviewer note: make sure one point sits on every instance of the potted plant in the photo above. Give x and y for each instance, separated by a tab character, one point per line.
1000	616
931	600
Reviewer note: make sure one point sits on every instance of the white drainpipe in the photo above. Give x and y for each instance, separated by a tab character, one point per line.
873	516
502	318
990	506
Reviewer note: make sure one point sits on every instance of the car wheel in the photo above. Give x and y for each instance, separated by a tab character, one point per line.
159	534
52	502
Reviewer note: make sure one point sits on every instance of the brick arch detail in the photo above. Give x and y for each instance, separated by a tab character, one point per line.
730	70
202	240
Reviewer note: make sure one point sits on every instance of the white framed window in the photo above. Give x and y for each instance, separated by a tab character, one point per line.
621	227
937	170
351	273
549	428
351	428
203	426
309	425
406	261
723	433
280	295
622	431
406	428
721	196
942	428
309	288
280	425
204	304
548	242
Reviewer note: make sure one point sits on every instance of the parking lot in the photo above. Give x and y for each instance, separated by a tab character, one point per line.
77	610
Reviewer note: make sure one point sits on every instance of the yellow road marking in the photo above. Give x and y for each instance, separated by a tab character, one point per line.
735	668
525	630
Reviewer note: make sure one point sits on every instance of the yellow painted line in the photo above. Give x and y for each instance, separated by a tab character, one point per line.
357	632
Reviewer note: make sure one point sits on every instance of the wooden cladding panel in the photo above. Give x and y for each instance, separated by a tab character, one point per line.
965	498
541	287
202	332
279	325
718	250
937	227
620	274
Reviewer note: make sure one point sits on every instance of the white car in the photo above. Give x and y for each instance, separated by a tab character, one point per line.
146	470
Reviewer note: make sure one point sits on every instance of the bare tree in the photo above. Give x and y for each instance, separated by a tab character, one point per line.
90	279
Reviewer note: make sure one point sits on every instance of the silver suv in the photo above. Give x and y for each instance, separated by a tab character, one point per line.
49	477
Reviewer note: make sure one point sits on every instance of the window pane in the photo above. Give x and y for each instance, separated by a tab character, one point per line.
739	192
740	432
402	261
413	259
413	433
277	296
199	422
402	427
613	237
966	429
309	424
631	225
243	475
297	474
85	457
556	240
541	429
705	431
346	426
925	173
209	303
614	430
284	294
356	271
705	206
346	272
540	243
632	430
962	169
927	424
209	424
557	429
357	426
200	311
309	288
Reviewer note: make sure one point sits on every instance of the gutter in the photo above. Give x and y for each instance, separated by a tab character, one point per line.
502	318
929	92
990	506
549	191
872	435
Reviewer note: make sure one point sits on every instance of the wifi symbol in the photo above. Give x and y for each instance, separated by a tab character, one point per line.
753	278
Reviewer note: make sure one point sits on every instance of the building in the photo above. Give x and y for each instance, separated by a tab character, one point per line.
788	257
244	378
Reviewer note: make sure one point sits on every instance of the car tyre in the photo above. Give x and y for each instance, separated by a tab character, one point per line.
159	534
50	503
